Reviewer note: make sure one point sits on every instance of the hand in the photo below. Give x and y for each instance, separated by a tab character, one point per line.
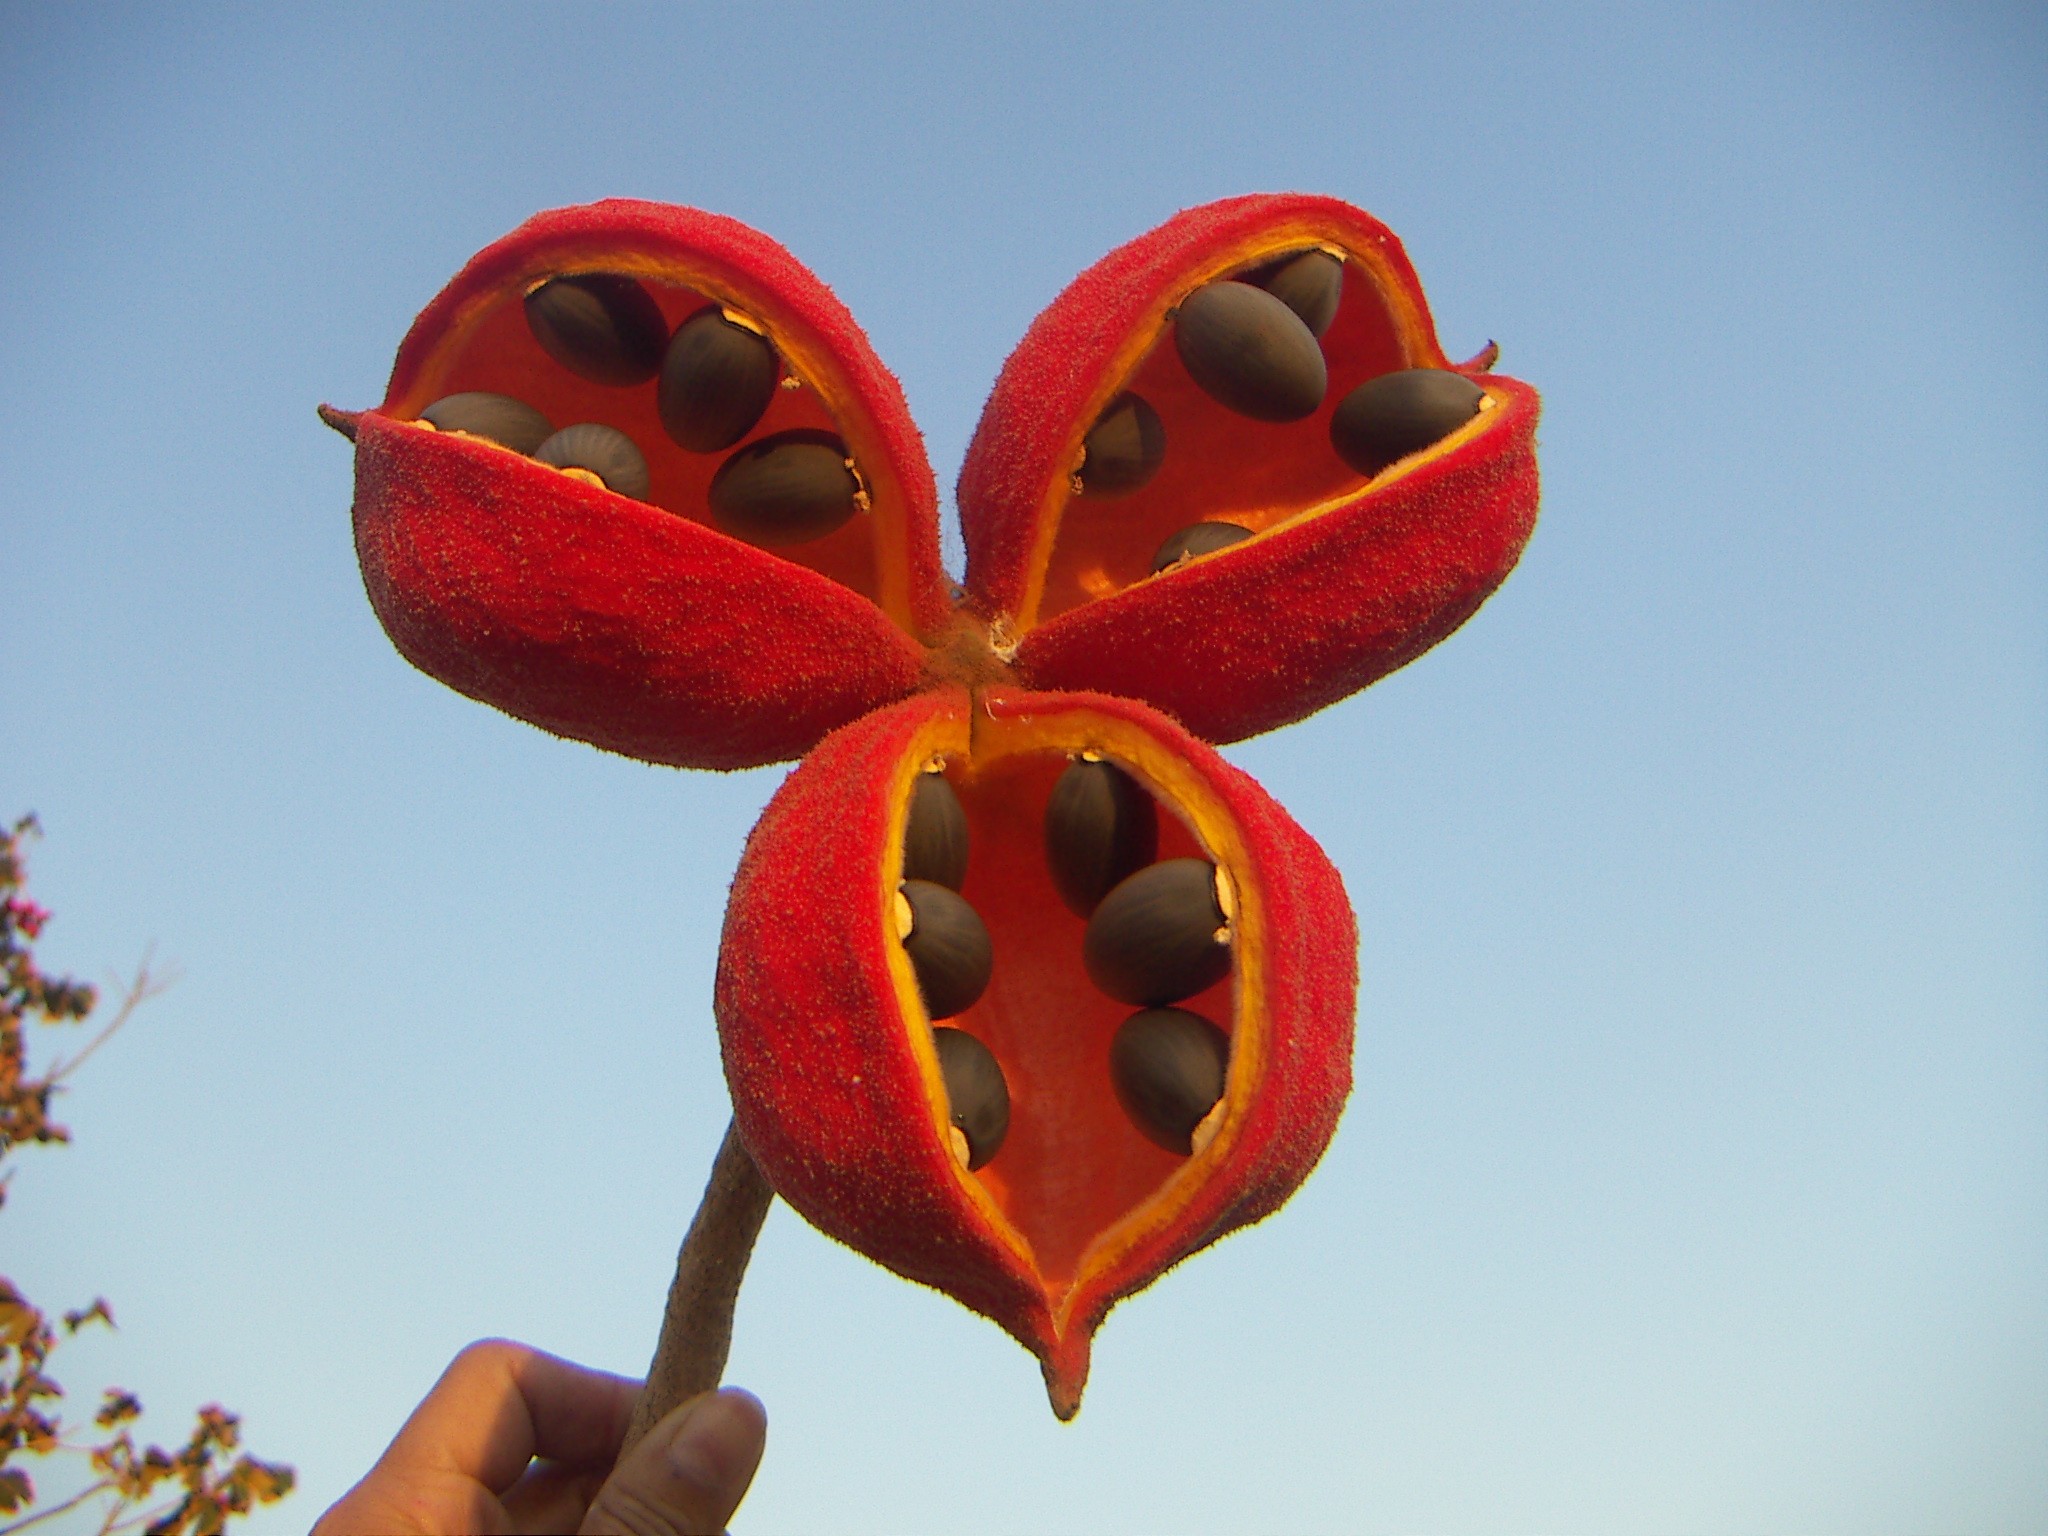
466	1459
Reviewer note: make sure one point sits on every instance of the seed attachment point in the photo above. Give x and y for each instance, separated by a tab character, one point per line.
1205	1132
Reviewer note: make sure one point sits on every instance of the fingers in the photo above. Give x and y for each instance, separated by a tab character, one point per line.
689	1474
499	1405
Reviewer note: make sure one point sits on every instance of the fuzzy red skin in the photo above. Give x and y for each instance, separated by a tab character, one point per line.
827	1092
1285	624
603	619
654	636
1312	613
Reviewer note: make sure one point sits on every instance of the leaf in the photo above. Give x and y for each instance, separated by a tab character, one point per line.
16	1491
118	1408
99	1311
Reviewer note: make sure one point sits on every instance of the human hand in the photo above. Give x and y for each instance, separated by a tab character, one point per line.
513	1440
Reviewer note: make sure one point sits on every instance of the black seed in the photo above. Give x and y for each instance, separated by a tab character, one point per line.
716	382
1201	539
975	1092
1310	283
786	489
1100	826
935	836
605	451
605	327
1168	1067
1397	414
1153	938
1125	448
949	949
1250	352
507	422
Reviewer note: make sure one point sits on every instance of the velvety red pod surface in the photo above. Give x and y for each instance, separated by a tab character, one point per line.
639	479
1338	569
1023	991
1088	1189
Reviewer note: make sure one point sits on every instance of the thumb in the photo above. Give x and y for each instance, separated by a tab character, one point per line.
689	1474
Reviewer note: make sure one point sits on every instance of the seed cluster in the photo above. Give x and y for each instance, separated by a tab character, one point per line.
715	378
1158	933
1253	343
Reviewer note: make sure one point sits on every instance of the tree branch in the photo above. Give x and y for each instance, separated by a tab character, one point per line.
134	995
102	1486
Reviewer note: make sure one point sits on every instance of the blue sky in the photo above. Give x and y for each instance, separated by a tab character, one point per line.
1697	1176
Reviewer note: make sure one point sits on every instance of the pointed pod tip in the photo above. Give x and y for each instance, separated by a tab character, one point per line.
1482	361
343	422
1066	1377
1065	1398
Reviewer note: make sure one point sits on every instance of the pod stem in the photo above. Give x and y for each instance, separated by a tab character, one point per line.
696	1328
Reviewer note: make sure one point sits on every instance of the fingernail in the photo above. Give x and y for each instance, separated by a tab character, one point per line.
713	1446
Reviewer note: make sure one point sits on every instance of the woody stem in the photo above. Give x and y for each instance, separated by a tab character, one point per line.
696	1328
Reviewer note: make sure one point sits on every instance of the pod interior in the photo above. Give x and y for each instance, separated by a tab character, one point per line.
1075	1179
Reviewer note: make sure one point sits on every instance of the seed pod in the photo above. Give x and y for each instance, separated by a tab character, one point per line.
786	489
1250	353
605	451
1311	284
1369	572
507	422
1100	826
1201	539
716	382
976	1094
657	636
948	945
1397	414
1168	1067
600	326
1125	448
935	834
829	1048
1159	936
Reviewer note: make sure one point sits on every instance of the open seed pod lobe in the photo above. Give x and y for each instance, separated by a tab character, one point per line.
835	1079
631	621
1347	574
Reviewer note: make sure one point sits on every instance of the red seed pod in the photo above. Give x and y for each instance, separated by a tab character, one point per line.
1311	532
836	1084
1348	576
636	624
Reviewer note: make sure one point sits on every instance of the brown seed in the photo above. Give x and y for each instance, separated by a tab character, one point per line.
599	325
1100	827
1397	414
605	451
1159	936
507	422
1201	539
935	836
1311	284
1168	1067
977	1096
1124	448
1250	352
949	948
716	381
786	489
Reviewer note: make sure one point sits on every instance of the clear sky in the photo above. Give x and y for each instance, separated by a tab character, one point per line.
1697	1175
